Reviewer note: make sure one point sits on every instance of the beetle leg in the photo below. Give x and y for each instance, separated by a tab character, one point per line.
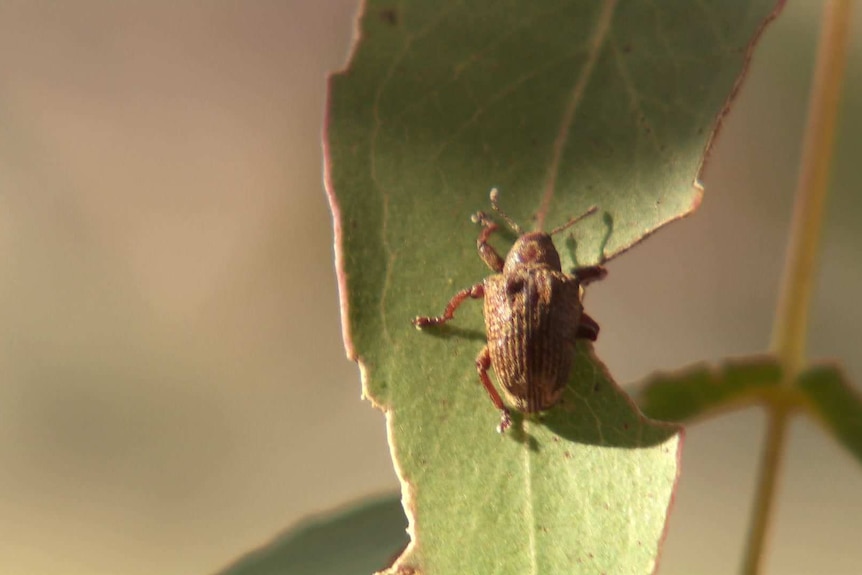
589	274
486	251
483	362
587	328
477	291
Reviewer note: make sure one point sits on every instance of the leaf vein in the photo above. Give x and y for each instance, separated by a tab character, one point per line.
596	45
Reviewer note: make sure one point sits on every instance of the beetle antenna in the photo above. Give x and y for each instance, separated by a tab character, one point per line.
574	220
494	195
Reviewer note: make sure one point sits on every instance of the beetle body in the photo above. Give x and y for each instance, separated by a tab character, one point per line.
532	311
533	318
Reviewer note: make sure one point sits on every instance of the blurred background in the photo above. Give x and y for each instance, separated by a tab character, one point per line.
173	387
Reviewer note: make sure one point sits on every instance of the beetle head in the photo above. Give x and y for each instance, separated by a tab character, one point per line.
533	249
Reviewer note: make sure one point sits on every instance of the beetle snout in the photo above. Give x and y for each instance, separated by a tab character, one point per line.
535	248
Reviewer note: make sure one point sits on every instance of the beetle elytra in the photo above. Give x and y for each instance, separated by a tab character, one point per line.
533	316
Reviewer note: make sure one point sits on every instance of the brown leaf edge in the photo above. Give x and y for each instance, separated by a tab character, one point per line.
717	123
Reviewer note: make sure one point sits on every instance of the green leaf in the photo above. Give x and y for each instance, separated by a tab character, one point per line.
562	105
836	404
352	542
703	390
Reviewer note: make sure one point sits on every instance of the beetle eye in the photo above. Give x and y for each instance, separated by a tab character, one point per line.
514	286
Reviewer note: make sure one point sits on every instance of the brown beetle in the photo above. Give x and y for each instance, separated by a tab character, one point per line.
533	315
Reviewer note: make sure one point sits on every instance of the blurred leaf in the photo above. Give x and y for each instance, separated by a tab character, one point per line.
703	390
562	105
836	403
356	541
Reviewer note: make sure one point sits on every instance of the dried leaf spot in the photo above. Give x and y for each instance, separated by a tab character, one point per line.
389	16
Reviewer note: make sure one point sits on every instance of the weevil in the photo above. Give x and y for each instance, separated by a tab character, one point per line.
533	316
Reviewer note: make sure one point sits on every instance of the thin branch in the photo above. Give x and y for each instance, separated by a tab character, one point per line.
767	483
791	319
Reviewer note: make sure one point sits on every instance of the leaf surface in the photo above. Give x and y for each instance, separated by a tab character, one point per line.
836	404
562	106
703	390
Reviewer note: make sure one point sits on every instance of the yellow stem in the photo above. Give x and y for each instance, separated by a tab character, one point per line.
764	499
791	320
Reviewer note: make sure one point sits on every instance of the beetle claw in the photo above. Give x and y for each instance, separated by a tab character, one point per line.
482	219
505	421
